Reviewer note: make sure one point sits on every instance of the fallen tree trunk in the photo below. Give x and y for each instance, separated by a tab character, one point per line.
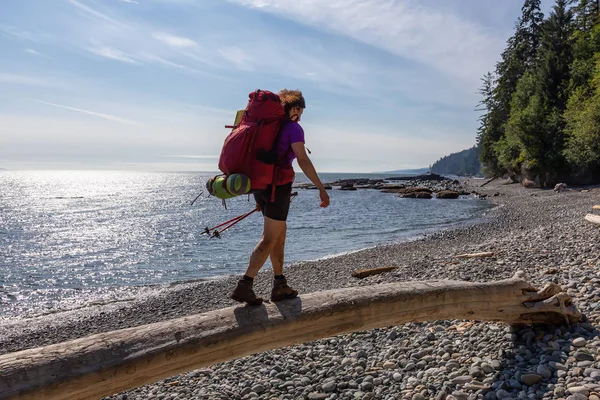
476	255
111	362
594	219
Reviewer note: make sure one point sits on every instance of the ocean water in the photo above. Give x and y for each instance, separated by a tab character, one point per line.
68	238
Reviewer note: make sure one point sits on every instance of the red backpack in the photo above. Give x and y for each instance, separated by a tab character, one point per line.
251	147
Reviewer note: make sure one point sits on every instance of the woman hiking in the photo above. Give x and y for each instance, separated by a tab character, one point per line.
272	242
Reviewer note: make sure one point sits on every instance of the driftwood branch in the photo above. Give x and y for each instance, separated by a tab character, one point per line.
596	207
488	181
363	273
111	362
593	218
476	255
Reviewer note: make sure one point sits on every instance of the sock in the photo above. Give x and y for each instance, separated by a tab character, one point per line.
279	277
247	278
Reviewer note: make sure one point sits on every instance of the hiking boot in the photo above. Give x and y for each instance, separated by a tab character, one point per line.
282	291
244	294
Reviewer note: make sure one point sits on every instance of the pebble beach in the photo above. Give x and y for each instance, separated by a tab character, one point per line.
540	232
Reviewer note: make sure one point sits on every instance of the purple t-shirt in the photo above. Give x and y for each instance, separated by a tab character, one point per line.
291	132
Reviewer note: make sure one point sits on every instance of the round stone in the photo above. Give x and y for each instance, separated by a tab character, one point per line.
530	379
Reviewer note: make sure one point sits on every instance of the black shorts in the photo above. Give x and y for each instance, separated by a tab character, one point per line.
278	209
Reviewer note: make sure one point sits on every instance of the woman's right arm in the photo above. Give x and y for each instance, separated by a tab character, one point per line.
309	170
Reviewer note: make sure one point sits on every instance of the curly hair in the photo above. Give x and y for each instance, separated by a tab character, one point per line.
291	99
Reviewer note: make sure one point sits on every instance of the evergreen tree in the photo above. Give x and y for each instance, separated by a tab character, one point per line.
536	123
556	55
517	58
585	14
586	43
583	118
489	123
542	106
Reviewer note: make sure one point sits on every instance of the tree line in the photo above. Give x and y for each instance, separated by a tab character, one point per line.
462	163
541	104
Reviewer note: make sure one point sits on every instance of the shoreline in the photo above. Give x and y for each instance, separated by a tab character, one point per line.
538	231
131	294
153	292
141	293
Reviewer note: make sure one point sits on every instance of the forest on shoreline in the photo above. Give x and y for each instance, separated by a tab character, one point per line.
541	104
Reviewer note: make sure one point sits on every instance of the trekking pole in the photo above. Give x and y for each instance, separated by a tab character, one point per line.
237	220
229	224
218	233
207	229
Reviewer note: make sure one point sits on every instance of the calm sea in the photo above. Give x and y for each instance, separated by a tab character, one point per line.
71	237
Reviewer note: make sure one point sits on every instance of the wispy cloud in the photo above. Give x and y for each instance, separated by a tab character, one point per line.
236	55
27	80
17	33
92	13
112	53
109	117
33	52
443	41
174	41
130	1
136	41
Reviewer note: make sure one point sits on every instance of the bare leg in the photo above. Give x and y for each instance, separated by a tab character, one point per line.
278	252
271	233
281	289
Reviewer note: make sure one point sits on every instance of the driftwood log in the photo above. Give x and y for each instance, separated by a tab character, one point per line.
476	255
363	273
593	218
596	207
488	181
111	362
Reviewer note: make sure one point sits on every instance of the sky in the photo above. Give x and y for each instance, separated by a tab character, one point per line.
150	84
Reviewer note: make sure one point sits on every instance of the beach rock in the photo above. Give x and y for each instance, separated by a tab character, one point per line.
447	194
329	386
461	380
530	379
583	356
557	366
579	390
544	371
258	389
348	188
560	187
416	195
417	190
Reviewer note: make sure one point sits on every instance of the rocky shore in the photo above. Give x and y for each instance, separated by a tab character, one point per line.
540	232
429	182
422	186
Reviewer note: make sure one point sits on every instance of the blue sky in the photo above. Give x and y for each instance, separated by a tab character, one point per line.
150	84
